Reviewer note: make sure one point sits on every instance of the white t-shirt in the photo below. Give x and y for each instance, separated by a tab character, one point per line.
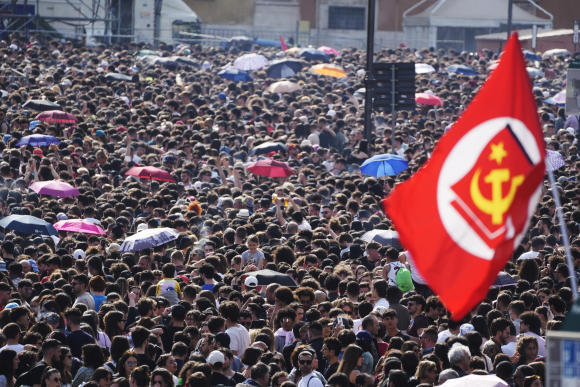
415	275
310	380
15	347
239	338
392	276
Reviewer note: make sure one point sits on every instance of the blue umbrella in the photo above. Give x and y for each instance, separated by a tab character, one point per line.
27	224
235	75
283	68
384	165
530	55
461	69
313	54
38	140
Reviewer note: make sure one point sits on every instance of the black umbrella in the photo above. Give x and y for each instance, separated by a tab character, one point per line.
284	68
169	62
503	280
267	277
268	147
118	77
41	105
185	61
27	224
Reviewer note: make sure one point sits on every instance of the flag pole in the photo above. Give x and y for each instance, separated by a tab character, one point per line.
563	230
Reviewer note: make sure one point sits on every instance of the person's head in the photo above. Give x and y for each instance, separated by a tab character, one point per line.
428	337
127	363
527	348
426	372
140	336
459	356
8	363
92	356
260	373
305	360
73	318
331	348
79	284
351	359
51	378
530	322
102	376
140	377
370	324
161	377
50	350
338	380
278	378
500	330
230	311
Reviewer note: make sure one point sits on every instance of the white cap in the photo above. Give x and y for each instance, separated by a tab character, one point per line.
113	247
142	226
79	254
243	213
61	216
251	282
216	357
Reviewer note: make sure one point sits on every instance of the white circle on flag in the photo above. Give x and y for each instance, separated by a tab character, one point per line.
459	162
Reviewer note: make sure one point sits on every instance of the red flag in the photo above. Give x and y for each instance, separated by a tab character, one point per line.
463	213
283	44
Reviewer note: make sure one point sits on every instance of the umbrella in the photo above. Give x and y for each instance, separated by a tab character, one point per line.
57	117
534	72
149	238
384	237
38	140
169	62
330	70
283	87
270	168
118	77
559	99
27	224
283	68
474	380
41	105
268	147
328	50
185	61
384	165
503	280
82	226
554	160
313	54
461	69
150	173
555	52
423	68
235	75
530	55
428	99
54	188
267	277
250	62
147	53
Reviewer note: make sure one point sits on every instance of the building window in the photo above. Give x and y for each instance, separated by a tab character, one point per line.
346	18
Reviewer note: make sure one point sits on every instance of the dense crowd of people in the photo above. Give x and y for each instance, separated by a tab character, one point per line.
79	310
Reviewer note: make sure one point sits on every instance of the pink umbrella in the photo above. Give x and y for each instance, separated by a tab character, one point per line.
54	188
428	99
560	98
150	173
270	168
79	225
328	50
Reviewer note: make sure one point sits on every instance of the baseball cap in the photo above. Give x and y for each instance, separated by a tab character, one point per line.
142	226
61	216
216	357
113	248
38	152
251	281
79	254
52	318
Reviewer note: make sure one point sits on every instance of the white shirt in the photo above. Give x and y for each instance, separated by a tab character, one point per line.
15	347
310	380
239	338
392	276
381	303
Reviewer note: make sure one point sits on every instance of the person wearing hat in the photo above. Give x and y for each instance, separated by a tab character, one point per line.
306	367
217	361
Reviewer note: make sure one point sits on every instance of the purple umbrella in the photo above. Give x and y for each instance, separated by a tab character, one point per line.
54	188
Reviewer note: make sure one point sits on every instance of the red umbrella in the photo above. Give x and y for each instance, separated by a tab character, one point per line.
57	117
270	168
428	99
150	173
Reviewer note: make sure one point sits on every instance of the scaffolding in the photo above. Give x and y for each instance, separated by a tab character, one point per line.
81	20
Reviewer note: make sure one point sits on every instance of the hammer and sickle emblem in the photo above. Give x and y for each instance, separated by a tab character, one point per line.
498	204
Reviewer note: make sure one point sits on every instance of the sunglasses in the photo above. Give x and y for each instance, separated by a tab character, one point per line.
305	361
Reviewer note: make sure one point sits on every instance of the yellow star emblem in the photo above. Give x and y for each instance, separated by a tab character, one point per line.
497	153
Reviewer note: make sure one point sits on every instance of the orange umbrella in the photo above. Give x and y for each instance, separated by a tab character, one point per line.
328	69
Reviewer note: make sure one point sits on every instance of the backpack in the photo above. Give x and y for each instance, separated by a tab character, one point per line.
404	281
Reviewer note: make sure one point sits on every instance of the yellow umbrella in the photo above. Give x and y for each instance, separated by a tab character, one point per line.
283	87
330	70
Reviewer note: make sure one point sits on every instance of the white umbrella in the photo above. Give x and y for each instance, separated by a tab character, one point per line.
149	238
423	68
476	381
283	87
555	52
384	237
250	62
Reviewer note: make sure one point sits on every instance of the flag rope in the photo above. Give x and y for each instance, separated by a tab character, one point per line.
563	230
